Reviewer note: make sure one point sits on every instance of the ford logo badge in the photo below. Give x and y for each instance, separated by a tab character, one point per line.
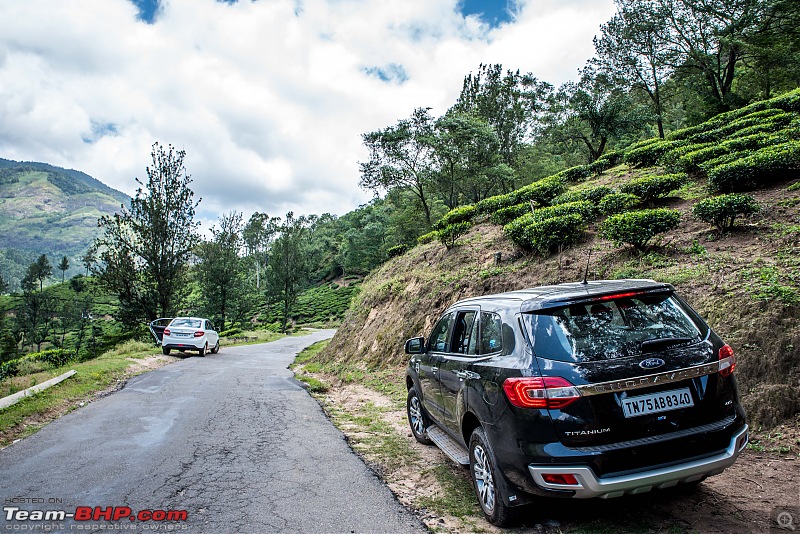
651	363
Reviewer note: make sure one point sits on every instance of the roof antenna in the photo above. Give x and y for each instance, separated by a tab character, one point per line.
586	274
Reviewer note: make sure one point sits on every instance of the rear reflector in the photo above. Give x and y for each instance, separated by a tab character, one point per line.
727	361
550	392
199	333
566	479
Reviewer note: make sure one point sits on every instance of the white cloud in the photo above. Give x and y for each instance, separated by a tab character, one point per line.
268	104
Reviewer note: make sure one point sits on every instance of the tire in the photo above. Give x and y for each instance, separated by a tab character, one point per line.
203	350
484	475
165	351
216	348
417	419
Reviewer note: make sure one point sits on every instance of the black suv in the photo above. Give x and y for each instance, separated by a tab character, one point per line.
576	390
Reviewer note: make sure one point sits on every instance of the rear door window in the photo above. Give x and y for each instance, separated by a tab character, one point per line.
465	333
610	329
491	333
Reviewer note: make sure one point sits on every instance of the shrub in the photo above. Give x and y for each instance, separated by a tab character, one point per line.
54	357
617	203
650	154
788	101
427	238
9	369
765	120
541	192
576	174
606	161
740	172
548	234
516	228
506	215
649	188
450	233
637	228
721	211
592	194
397	250
455	215
230	332
691	161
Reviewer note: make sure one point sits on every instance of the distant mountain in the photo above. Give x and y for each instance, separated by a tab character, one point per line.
45	209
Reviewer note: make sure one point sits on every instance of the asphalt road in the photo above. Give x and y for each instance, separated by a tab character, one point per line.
230	438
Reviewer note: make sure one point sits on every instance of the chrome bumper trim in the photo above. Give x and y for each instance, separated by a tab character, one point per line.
589	485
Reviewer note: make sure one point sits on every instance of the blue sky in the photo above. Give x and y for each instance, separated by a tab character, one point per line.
269	98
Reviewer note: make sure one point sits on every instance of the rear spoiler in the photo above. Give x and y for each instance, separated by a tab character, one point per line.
535	305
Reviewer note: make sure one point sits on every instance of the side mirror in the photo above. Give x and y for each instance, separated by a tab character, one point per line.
415	345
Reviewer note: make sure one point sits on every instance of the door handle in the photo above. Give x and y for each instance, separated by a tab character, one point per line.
434	369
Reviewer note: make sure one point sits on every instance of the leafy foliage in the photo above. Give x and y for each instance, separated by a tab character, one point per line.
544	235
145	248
721	211
618	203
428	238
747	171
637	228
650	188
650	153
456	215
592	194
516	229
540	192
450	233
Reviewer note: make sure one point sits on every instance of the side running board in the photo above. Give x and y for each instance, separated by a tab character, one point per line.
449	446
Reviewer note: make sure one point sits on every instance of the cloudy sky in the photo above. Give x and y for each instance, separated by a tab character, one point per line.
269	98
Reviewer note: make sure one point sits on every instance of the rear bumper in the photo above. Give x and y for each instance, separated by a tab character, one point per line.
590	485
183	346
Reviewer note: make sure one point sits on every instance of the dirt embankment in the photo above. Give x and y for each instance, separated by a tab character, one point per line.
746	284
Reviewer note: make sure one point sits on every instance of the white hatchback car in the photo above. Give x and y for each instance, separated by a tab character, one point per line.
190	333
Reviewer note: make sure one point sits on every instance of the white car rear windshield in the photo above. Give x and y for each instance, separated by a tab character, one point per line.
612	328
188	323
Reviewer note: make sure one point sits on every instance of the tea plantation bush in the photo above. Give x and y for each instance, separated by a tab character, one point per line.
650	188
592	194
427	238
651	153
506	215
617	203
516	229
541	192
746	171
549	234
450	233
397	250
691	161
456	215
637	228
721	211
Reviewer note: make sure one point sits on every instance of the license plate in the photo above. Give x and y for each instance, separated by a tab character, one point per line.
178	334
657	402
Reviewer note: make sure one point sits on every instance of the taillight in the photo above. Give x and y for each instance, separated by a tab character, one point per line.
199	333
550	392
167	332
727	361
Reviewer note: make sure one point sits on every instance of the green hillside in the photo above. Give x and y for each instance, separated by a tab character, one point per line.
641	213
48	210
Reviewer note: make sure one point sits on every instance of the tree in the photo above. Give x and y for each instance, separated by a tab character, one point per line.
41	270
220	271
592	113
508	102
3	286
469	165
706	39
145	249
63	266
89	259
287	264
633	51
401	156
258	234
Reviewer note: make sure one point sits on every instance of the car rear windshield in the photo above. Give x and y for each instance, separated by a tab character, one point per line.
612	328
190	323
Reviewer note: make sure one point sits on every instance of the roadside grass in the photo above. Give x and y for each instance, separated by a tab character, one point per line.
105	373
458	499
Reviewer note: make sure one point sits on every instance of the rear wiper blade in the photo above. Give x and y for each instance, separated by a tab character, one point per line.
660	343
